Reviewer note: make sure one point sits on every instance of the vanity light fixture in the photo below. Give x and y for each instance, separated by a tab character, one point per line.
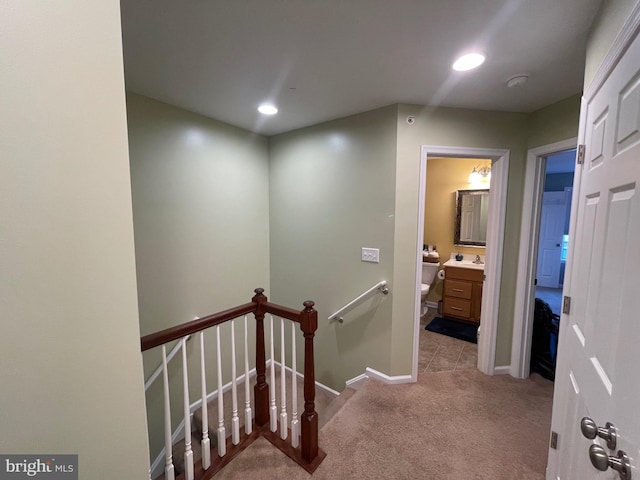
480	175
267	109
468	62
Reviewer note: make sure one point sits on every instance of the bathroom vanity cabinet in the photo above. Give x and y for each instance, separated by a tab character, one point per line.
462	297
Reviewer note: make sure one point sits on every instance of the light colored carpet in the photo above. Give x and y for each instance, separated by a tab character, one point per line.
450	425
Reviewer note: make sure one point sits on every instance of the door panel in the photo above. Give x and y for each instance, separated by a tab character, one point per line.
599	354
550	239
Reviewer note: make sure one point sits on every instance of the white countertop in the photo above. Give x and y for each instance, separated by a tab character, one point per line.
464	263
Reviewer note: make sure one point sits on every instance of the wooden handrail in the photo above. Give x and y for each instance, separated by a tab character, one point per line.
174	333
309	455
283	312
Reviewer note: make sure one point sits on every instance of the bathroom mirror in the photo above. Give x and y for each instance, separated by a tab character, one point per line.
472	210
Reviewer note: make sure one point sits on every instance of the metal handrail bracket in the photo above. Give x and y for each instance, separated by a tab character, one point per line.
378	287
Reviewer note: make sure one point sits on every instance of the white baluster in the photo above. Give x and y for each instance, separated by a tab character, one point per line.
283	386
235	421
295	425
206	441
169	471
188	453
273	409
222	436
248	415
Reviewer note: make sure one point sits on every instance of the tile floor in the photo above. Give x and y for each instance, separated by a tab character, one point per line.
439	353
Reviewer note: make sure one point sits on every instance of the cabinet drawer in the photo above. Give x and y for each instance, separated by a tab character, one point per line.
456	273
457	308
458	289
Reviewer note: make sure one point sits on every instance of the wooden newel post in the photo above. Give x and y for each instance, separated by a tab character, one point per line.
309	419
261	389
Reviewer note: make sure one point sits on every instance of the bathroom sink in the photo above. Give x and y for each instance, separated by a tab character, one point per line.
464	264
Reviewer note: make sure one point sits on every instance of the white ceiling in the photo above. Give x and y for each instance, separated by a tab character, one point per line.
324	59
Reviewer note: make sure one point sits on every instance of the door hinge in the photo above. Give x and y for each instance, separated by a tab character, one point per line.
566	305
581	149
554	440
535	282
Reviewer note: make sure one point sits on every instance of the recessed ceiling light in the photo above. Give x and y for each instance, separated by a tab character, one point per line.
267	109
468	62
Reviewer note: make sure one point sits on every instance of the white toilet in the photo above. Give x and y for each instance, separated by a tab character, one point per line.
429	272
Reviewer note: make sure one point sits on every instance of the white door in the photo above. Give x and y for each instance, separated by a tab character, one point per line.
598	373
552	220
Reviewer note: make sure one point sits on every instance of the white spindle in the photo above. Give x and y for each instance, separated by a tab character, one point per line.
188	453
295	425
248	415
273	409
222	436
235	421
206	441
283	386
169	471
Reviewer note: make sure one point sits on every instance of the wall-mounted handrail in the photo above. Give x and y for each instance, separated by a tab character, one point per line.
378	287
158	370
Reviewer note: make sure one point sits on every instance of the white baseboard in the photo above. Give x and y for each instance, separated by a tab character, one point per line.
503	370
431	304
356	382
384	378
319	385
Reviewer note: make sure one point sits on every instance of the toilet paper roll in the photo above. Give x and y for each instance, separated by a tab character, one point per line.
441	274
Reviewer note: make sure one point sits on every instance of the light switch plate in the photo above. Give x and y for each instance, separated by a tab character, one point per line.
371	255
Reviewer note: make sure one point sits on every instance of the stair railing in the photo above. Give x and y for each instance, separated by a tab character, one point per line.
298	438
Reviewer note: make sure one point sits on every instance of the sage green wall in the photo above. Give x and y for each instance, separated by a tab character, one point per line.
321	213
605	28
201	219
332	192
554	123
71	371
461	128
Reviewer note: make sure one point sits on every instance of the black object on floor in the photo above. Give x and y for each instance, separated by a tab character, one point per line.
451	328
544	343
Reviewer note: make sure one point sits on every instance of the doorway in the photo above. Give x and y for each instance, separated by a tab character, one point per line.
553	237
495	239
543	242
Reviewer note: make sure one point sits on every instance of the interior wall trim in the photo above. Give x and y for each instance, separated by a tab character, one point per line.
356	382
528	254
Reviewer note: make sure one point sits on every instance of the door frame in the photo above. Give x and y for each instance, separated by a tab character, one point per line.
528	256
493	256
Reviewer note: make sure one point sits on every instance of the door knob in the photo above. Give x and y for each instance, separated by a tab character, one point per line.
591	430
602	461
